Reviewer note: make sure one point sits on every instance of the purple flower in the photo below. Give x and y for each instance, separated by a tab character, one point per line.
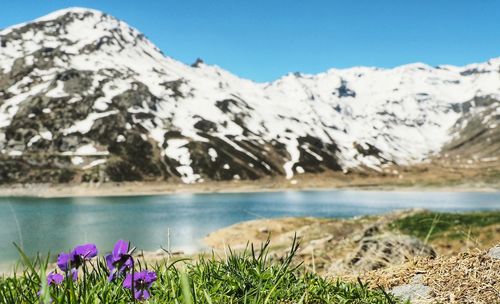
77	257
119	260
74	274
85	252
142	283
64	261
54	278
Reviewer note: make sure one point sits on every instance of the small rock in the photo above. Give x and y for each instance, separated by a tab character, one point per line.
197	63
264	230
413	292
494	253
417	279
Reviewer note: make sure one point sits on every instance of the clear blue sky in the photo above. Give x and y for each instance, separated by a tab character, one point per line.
265	39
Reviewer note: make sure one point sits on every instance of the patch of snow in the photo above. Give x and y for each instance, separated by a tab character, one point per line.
33	140
75	99
238	148
266	165
47	135
86	150
84	126
212	153
10	106
15	153
57	92
94	163
294	157
120	138
77	160
177	150
317	156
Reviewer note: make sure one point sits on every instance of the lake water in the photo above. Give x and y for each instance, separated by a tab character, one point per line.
60	223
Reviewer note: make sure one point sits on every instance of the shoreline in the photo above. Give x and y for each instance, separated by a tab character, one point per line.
303	183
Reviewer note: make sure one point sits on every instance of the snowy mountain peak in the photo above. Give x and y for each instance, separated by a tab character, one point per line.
79	12
74	31
86	97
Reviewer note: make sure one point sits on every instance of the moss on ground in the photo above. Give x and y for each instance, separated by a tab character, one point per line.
432	225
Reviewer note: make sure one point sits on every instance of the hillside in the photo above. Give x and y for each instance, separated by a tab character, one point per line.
86	98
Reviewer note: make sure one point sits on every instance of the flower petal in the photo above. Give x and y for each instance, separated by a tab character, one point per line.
121	247
74	274
141	294
109	262
145	294
111	276
127	283
64	260
138	294
150	277
54	278
86	251
129	262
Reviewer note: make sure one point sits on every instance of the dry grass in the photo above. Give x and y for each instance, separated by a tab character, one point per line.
468	277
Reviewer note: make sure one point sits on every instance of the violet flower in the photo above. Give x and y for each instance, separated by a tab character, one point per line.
74	274
142	283
85	252
65	261
119	260
73	260
54	278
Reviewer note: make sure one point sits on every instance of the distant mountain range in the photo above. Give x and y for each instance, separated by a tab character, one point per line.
86	97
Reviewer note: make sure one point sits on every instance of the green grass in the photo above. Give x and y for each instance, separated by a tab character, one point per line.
431	225
245	277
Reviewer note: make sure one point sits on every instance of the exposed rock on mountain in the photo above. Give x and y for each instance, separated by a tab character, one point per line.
85	97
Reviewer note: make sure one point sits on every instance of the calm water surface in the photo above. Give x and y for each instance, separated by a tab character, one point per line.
58	224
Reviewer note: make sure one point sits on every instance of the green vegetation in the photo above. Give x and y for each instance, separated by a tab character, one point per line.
246	277
432	225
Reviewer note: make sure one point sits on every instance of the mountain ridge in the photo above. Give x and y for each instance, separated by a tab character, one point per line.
417	64
84	96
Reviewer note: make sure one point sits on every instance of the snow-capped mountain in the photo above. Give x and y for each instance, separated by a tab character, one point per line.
84	96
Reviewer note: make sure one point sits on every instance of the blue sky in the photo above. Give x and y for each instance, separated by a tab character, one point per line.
265	39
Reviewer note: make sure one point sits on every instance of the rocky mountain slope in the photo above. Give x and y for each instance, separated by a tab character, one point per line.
85	97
